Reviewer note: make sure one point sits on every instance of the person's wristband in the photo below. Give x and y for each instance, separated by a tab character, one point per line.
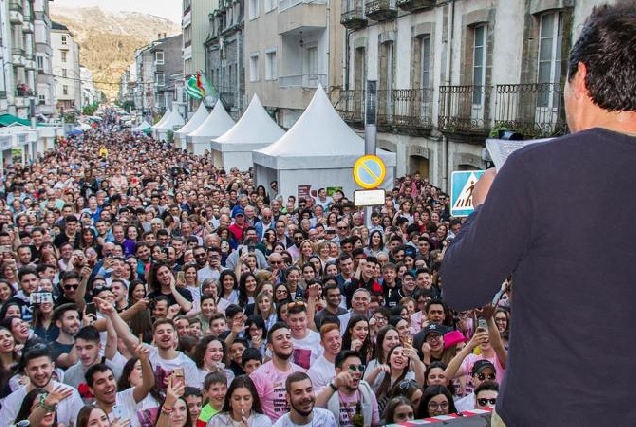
333	387
42	404
166	410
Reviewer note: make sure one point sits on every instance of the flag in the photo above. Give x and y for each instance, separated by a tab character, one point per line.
209	88
194	87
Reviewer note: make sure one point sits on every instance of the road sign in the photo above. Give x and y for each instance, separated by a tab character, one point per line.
462	185
369	171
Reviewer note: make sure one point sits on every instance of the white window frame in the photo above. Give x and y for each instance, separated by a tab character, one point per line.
271	65
254	67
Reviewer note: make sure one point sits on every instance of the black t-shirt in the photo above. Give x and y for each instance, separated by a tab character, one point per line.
183	292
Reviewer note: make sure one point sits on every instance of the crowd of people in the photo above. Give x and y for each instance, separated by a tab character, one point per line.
141	285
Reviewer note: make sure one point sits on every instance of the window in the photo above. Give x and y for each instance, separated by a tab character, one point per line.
312	61
64	72
65	90
271	67
426	62
40	63
41	99
64	40
159	58
160	78
63	56
549	67
254	67
253	9
269	5
479	63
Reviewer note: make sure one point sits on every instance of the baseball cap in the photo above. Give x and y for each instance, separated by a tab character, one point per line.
238	211
480	365
434	328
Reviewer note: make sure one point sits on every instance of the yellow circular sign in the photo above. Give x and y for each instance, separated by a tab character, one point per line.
369	171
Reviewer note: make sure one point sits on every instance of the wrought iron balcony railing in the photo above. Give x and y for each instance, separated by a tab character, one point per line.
464	109
534	109
353	19
381	10
350	105
405	110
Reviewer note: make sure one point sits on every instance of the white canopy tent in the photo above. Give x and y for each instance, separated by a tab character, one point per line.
195	121
142	127
320	150
160	122
216	124
255	130
173	121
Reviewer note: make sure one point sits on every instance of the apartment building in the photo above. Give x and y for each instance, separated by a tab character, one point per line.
449	73
45	80
66	68
292	46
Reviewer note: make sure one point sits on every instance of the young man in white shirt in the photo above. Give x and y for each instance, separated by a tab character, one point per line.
324	369
301	397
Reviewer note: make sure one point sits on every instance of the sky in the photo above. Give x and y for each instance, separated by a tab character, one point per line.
171	9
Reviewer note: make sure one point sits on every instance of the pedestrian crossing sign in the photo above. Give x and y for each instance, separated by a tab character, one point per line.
462	185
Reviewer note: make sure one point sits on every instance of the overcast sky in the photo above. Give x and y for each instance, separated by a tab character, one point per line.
170	9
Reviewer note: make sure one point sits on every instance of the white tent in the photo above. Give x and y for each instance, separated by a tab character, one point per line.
173	121
160	122
142	127
216	124
195	121
255	130
320	150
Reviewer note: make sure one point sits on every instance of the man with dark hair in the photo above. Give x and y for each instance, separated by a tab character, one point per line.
533	218
66	318
347	389
38	366
301	397
103	385
251	360
307	347
270	378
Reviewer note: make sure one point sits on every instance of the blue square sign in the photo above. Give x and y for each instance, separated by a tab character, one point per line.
462	185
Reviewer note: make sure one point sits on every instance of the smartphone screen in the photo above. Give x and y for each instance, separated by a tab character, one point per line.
181	276
90	308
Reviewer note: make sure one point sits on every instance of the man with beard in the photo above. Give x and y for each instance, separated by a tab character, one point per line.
66	318
301	398
269	379
163	356
347	389
323	370
102	384
39	367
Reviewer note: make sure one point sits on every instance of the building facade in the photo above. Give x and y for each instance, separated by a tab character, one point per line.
66	68
45	80
449	73
224	50
291	47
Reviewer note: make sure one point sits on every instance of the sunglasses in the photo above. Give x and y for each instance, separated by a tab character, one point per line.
359	368
69	287
484	402
482	377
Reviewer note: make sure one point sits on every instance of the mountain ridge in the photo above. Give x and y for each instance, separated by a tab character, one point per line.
108	40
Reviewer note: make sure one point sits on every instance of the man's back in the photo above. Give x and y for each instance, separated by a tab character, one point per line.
558	217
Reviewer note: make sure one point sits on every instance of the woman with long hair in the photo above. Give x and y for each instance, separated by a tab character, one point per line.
229	287
174	411
436	401
257	333
358	338
248	289
8	361
387	338
32	411
376	244
6	291
161	281
9	273
398	410
131	377
266	246
265	309
242	406
190	283
403	364
210	354
306	250
43	325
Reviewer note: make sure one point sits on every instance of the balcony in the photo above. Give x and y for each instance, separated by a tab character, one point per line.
303	80
20	101
350	106
380	10
405	111
413	5
15	17
305	15
463	112
28	27
17	57
533	109
353	19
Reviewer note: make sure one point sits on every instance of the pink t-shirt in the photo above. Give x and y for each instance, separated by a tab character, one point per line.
270	384
348	409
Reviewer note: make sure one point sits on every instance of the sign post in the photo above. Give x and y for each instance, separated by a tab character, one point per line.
370	132
461	197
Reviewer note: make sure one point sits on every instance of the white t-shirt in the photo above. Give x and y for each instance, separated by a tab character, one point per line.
254	420
164	367
66	412
321	372
126	400
307	350
322	417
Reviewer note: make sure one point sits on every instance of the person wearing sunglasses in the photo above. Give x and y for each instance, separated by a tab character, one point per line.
486	395
347	389
483	370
